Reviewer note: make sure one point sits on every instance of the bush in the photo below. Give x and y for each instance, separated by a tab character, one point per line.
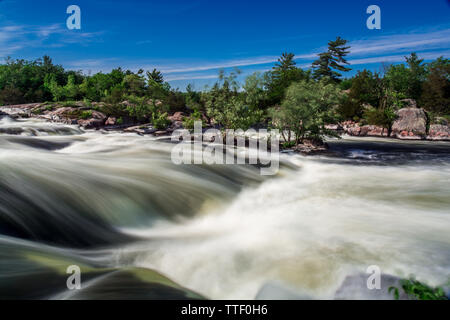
417	290
86	114
305	111
160	120
188	122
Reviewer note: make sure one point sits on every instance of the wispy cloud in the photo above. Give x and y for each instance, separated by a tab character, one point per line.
398	58
401	42
16	37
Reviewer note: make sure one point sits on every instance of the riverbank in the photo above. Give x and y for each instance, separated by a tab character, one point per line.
411	125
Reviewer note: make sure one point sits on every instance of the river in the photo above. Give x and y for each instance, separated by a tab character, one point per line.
140	226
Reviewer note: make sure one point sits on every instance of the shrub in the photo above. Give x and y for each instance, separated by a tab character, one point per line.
305	111
417	290
160	120
86	114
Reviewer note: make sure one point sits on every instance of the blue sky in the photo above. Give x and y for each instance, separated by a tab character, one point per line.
190	40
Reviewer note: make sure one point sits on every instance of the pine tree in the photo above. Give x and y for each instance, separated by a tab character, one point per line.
331	62
283	74
285	63
155	76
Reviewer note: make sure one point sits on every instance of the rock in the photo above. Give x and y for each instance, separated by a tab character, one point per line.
373	131
111	121
97	121
311	146
411	124
351	128
409	103
355	288
177	116
278	291
439	132
177	125
161	133
141	130
441	120
334	127
61	115
20	110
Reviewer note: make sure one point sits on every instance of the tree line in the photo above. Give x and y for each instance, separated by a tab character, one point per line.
287	97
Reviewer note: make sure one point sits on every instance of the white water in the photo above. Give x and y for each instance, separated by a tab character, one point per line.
310	230
224	231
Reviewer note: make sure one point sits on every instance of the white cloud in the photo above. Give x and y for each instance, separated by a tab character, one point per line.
16	37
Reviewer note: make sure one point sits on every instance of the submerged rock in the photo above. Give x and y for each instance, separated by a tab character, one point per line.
311	147
143	129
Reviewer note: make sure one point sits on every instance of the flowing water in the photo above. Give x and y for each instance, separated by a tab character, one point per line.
117	206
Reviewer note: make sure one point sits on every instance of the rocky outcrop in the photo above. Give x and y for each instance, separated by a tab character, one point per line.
373	131
311	146
439	132
20	110
355	129
111	121
177	120
96	121
411	124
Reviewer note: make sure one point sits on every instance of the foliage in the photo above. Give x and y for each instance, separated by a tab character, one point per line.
86	114
436	88
160	120
417	290
146	97
283	74
365	90
227	107
305	111
333	61
188	122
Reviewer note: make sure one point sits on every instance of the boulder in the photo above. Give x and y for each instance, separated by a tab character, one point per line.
411	124
373	131
111	121
439	132
96	121
351	128
177	116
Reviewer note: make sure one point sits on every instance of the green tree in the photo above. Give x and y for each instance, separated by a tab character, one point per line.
307	108
283	74
333	61
436	88
408	78
366	90
227	107
155	76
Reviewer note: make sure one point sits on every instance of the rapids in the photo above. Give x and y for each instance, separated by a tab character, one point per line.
115	204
